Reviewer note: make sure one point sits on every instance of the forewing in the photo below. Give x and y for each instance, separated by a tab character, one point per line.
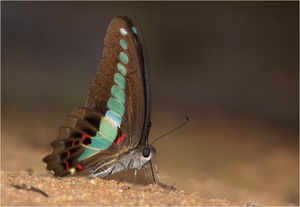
121	78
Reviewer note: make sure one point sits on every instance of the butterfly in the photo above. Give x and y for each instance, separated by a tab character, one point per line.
111	133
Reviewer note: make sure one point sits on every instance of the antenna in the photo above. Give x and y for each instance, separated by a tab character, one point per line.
186	121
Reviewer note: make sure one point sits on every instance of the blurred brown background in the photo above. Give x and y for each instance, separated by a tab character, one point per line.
232	67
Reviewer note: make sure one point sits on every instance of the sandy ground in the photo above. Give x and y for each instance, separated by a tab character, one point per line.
34	186
199	172
85	191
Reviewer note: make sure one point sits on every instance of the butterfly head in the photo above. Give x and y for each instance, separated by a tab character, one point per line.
148	152
141	156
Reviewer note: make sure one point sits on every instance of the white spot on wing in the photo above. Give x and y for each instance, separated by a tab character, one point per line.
123	31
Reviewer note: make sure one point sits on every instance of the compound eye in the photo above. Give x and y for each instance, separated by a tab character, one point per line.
146	152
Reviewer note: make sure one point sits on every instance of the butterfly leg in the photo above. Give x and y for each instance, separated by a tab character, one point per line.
146	173
135	173
156	169
125	171
157	173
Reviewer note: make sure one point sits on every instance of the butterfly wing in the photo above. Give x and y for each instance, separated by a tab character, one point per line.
123	54
117	115
73	144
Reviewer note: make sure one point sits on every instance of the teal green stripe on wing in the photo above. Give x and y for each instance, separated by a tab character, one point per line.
114	117
87	152
118	93
102	140
108	130
121	68
120	80
133	29
124	57
123	44
116	106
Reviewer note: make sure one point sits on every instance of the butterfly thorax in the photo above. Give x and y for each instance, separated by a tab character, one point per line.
135	159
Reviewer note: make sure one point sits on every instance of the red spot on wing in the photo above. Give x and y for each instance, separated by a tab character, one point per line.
86	139
79	166
84	136
120	139
68	153
67	164
73	142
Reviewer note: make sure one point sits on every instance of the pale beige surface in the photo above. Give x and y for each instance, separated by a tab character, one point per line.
233	161
83	191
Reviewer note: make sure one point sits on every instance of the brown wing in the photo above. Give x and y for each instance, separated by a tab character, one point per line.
122	39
